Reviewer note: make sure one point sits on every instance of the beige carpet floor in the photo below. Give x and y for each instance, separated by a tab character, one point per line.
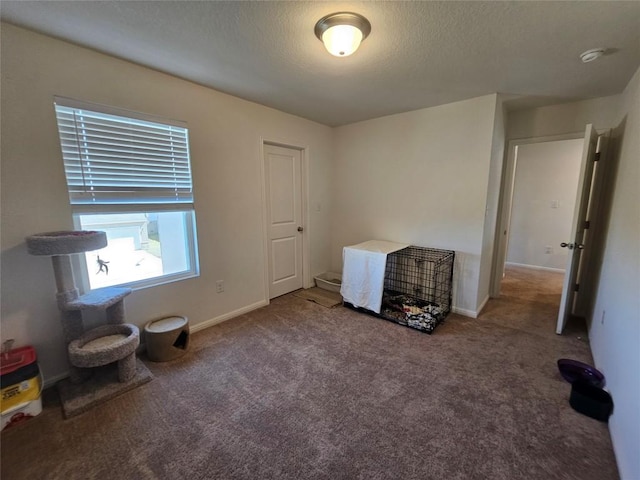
299	391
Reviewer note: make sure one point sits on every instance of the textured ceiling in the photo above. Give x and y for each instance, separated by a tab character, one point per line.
419	54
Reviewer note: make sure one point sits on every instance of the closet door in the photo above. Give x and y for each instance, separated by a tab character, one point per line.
283	187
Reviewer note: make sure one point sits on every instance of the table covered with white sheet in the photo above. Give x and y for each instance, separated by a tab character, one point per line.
363	268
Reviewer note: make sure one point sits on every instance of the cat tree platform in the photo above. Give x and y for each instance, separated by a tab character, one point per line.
102	386
65	242
107	344
101	298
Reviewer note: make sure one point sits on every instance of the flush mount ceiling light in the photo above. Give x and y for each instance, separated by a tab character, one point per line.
591	55
342	32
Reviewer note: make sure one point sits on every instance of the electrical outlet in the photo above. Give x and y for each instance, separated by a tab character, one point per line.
548	249
220	286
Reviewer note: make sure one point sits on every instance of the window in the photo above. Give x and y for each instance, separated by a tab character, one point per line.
129	175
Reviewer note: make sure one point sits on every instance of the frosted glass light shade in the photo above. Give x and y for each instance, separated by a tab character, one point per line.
342	32
342	40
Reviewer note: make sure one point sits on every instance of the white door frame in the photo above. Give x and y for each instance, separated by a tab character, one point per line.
592	256
579	230
304	154
505	204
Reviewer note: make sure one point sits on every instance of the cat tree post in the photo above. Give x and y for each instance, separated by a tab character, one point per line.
67	291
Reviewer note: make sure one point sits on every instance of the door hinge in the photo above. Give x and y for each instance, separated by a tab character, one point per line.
596	158
587	224
576	288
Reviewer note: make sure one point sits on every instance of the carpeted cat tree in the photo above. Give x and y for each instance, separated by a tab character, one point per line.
102	360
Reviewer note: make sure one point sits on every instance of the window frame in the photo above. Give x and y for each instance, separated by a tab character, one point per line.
191	252
105	208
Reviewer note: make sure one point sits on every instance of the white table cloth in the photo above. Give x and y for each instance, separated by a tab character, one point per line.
363	267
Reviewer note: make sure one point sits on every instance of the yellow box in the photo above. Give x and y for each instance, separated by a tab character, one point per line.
22	392
20	386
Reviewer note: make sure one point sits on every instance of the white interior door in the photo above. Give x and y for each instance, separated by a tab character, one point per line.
283	178
576	243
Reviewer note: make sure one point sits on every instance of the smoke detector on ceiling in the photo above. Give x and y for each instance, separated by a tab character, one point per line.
591	55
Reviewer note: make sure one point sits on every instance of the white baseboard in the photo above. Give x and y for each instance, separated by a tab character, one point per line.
464	312
482	305
535	267
51	381
470	313
228	316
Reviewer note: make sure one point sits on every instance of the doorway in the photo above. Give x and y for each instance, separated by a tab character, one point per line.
284	218
544	202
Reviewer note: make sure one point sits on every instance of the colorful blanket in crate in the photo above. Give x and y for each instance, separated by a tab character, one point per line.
411	311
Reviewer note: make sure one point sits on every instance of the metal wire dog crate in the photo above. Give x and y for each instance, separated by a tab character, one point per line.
418	287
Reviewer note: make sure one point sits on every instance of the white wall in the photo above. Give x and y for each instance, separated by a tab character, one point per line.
225	142
563	118
545	173
615	326
420	178
490	233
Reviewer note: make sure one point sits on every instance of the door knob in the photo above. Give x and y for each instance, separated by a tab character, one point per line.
571	246
300	229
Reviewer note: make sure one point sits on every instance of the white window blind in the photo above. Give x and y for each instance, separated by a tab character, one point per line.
117	159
